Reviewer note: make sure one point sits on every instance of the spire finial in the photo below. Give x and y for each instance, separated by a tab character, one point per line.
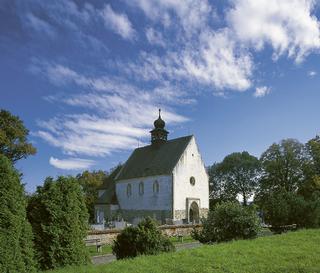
159	112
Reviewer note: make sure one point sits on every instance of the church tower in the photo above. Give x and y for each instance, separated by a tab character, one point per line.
159	134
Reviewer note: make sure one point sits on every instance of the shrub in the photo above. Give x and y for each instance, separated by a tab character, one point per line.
59	220
16	250
228	221
145	239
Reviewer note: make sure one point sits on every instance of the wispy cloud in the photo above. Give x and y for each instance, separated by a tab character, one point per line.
261	91
221	58
118	22
312	73
62	20
116	115
71	163
40	25
184	48
155	37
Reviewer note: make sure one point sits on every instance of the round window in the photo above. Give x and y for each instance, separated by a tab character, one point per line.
192	181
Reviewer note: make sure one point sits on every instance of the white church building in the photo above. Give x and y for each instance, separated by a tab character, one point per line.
165	180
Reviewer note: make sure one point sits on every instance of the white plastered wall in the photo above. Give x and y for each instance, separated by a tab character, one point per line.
149	200
190	164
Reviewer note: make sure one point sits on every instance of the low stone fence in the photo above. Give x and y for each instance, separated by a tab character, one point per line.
108	236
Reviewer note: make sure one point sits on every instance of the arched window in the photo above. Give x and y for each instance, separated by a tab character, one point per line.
192	181
155	187
129	190
141	188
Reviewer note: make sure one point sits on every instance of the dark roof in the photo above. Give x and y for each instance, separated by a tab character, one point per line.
154	160
109	186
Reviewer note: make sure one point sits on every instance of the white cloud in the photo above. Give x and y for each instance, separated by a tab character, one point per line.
116	122
219	62
71	163
155	37
312	73
118	22
191	14
213	60
287	25
261	91
221	58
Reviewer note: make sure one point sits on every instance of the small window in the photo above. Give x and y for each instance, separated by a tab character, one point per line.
156	187
141	188
192	181
129	190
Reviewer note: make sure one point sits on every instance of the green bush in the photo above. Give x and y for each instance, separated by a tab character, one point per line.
228	221
16	250
59	219
145	239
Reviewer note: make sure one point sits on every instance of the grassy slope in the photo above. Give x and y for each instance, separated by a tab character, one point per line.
288	253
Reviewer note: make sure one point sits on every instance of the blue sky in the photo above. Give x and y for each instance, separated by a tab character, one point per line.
87	77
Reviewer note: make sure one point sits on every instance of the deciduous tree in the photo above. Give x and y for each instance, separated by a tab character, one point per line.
238	173
13	137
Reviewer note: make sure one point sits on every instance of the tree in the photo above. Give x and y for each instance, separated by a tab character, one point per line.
289	191
90	183
283	166
59	219
13	137
219	191
228	221
238	173
16	248
313	148
145	239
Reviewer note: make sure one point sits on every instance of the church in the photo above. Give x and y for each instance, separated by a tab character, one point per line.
166	180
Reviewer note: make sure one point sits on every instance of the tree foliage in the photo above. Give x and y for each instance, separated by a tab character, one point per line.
289	189
145	239
228	221
59	219
283	166
13	137
238	173
90	183
16	249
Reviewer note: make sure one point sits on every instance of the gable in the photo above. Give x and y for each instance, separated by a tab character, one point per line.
154	160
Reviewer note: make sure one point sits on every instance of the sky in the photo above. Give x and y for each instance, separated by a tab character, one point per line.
87	77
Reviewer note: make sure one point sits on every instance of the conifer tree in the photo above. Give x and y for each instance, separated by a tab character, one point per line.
16	250
59	218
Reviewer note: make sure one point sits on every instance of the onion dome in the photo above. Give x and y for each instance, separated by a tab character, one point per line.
159	123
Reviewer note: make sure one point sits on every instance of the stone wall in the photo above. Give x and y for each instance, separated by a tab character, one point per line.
174	230
203	213
108	236
180	214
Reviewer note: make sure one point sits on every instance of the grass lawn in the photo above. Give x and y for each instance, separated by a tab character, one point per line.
288	253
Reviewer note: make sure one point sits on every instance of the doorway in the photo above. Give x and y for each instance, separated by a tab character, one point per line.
194	213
